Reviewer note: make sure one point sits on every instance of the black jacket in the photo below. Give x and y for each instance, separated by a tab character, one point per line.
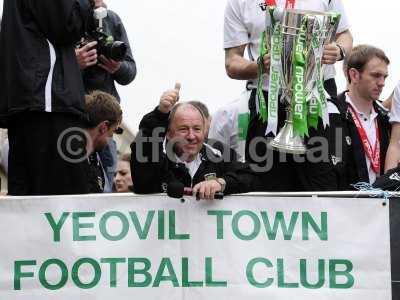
152	169
38	66
353	151
320	169
96	78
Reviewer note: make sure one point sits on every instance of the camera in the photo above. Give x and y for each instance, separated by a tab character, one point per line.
106	45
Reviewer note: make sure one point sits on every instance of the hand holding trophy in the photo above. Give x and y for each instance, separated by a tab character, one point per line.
296	75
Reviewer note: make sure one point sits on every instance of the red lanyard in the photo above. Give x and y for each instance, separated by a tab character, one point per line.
289	3
374	155
270	2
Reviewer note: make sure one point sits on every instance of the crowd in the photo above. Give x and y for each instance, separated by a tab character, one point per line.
61	108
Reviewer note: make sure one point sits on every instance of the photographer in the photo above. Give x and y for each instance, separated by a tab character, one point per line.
100	72
42	94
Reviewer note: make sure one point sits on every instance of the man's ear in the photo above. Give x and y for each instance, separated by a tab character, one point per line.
103	127
354	75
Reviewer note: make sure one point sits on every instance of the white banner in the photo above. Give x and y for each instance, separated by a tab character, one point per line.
155	247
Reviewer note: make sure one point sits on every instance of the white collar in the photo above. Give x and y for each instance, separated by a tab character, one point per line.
373	115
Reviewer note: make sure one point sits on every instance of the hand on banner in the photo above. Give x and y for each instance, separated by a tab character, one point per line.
86	55
331	54
169	98
207	189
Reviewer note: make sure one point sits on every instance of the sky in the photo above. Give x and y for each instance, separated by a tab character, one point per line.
181	40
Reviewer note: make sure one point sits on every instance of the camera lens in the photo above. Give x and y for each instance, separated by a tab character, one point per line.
118	51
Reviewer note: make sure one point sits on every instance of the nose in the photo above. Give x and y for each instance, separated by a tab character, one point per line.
381	81
191	135
118	177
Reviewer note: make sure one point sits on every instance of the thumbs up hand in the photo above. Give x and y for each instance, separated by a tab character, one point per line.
169	98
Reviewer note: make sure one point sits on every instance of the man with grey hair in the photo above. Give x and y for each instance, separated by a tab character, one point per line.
177	132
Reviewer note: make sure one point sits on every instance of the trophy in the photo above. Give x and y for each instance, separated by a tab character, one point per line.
296	52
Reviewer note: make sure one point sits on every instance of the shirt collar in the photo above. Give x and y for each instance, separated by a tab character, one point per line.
373	114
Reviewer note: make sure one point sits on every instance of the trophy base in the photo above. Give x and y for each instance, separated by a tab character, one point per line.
287	142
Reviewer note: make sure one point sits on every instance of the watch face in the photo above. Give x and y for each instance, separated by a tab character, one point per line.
210	176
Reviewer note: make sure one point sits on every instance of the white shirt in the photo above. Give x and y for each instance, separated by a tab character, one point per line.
229	124
192	166
395	109
369	124
245	21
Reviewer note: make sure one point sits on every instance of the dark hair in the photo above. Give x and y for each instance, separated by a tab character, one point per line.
101	106
360	56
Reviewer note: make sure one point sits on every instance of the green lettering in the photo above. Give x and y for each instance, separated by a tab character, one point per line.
334	274
165	264
18	274
161	225
77	225
103	225
56	226
42	274
132	271
185	275
250	275
321	231
113	268
142	233
172	229
256	225
279	221
210	282
220	220
281	276
321	274
96	274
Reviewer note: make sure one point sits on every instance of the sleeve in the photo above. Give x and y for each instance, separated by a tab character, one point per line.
222	128
127	72
235	31
337	6
63	22
395	109
239	177
148	162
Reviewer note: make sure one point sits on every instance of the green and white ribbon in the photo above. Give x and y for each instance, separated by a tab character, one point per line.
298	103
316	99
260	100
265	40
275	76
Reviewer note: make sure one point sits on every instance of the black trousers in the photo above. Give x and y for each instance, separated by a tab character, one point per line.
47	154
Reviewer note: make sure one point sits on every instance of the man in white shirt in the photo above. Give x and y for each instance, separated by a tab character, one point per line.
244	23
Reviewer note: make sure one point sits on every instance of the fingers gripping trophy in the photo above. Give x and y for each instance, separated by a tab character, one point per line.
296	74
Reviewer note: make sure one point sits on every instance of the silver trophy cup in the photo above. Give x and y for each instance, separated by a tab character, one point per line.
320	27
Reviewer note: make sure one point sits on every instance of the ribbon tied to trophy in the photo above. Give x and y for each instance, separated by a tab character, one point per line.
295	44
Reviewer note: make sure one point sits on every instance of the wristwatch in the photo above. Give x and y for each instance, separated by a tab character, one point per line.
342	52
222	182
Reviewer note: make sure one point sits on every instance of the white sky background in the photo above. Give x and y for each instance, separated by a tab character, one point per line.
181	40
